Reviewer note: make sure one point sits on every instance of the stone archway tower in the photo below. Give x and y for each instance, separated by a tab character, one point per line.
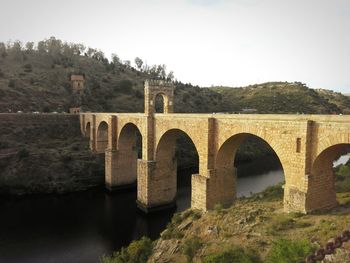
155	87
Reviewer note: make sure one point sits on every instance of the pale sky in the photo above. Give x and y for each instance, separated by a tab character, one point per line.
205	42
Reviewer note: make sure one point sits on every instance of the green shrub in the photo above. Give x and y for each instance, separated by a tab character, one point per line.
190	247
12	83
137	252
172	231
271	193
23	153
279	223
27	68
233	255
288	251
342	183
218	208
124	86
4	145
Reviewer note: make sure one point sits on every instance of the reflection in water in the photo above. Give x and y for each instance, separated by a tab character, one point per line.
80	227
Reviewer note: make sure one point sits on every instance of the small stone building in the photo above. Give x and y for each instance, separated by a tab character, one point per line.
77	83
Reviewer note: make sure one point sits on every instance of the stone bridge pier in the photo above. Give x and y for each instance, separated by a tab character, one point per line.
306	146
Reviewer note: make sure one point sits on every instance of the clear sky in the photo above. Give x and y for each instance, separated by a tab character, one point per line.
205	42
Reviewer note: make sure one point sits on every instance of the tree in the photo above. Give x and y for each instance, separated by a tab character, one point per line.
90	52
138	63
115	58
42	48
127	63
170	76
30	46
99	55
3	52
15	50
54	47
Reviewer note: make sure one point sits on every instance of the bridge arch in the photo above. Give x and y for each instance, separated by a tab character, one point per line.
330	140
129	148
102	137
165	174
87	130
225	166
160	100
322	178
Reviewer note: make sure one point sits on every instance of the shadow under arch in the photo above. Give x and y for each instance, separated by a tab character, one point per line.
129	150
226	163
322	179
102	137
166	166
87	130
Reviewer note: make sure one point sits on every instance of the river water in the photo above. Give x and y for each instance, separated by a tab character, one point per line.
80	227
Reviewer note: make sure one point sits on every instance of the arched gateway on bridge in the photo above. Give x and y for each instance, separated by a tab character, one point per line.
304	144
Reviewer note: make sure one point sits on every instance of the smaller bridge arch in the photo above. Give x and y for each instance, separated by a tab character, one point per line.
160	100
121	161
102	137
87	132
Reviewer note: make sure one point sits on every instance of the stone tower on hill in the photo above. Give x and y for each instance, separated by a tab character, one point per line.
77	93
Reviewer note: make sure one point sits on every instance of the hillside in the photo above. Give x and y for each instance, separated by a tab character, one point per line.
36	78
284	97
45	153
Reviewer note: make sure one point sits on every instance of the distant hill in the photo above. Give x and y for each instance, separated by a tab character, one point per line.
284	97
36	78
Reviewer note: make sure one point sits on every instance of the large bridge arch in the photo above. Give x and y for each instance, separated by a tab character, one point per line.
329	140
162	189
225	170
322	178
232	140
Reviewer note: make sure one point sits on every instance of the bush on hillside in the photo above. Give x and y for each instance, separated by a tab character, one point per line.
12	83
137	252
124	86
27	68
190	247
288	251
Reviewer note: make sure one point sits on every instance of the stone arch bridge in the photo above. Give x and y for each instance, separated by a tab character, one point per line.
305	144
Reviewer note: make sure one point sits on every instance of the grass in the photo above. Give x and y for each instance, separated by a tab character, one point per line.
278	223
172	230
236	254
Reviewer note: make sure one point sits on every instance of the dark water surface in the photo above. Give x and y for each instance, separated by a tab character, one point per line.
80	227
